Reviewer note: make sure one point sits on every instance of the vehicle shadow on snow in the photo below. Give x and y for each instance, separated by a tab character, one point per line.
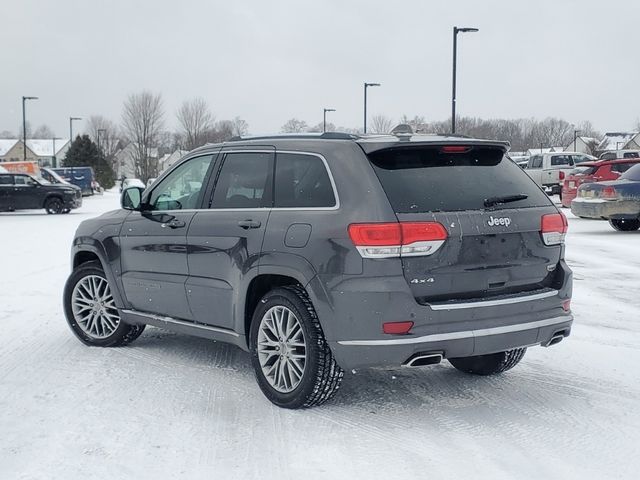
374	390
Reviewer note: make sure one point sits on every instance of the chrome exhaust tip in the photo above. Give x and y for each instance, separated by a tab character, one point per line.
422	359
557	338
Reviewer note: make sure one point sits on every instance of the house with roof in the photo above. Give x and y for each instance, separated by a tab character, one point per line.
538	151
583	145
45	151
619	141
124	161
168	159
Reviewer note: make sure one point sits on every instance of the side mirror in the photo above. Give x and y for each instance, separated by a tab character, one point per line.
131	198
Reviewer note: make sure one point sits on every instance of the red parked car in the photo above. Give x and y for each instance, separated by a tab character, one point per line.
590	172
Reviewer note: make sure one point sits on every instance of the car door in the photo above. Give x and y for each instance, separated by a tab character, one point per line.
153	242
6	191
26	193
225	240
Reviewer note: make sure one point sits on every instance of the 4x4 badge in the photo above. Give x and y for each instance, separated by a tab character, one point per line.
495	221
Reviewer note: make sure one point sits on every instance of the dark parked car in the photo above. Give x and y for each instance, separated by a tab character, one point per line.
319	253
617	201
20	191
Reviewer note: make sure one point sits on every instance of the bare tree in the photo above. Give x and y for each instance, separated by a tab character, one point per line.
110	138
294	125
142	122
196	119
43	131
381	124
7	134
240	126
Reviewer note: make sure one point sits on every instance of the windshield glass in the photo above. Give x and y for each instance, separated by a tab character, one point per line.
632	174
424	179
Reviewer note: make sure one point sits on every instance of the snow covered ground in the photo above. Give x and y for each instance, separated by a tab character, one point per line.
172	406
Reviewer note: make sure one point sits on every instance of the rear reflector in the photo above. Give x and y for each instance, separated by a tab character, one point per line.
566	305
397	328
389	240
554	228
455	149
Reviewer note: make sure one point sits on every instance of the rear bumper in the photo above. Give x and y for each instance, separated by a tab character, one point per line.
397	351
605	208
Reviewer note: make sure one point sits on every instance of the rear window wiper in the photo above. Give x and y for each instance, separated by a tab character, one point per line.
492	201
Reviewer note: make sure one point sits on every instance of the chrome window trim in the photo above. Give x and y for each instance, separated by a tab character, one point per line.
465	334
493	303
267	209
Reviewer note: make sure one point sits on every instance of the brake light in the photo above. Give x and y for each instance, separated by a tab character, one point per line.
397	328
561	175
609	193
554	228
389	240
455	149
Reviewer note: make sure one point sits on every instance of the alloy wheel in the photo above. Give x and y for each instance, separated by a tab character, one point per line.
281	349
93	307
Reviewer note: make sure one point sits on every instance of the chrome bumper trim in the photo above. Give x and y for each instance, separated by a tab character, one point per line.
443	337
493	303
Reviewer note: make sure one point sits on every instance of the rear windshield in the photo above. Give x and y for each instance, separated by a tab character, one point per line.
423	179
632	174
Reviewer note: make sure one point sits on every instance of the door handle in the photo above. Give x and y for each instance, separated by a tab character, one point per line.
247	224
175	223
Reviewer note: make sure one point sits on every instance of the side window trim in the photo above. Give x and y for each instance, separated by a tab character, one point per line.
331	180
213	182
199	204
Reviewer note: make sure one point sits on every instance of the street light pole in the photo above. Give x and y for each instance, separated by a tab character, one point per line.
71	120
24	127
324	118
575	136
367	85
98	140
456	30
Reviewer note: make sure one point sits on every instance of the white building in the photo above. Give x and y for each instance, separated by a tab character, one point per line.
583	145
619	141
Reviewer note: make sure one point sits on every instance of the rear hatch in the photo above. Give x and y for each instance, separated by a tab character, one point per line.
492	213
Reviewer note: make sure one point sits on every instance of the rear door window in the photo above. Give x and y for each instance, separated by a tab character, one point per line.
6	179
630	155
424	179
535	162
302	181
243	181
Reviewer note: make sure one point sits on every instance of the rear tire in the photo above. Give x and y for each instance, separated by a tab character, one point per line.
491	364
54	206
292	361
625	225
91	312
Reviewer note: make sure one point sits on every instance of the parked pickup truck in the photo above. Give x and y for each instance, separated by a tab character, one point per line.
549	169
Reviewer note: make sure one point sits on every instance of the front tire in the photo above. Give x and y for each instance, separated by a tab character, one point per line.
91	312
491	364
625	225
292	361
54	206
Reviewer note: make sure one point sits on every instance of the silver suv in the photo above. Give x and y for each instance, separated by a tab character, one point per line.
319	253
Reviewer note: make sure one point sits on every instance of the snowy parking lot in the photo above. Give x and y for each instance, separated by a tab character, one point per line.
173	406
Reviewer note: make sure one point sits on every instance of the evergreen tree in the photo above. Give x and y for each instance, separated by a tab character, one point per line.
83	152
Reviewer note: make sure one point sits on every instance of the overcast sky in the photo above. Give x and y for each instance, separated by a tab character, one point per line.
269	60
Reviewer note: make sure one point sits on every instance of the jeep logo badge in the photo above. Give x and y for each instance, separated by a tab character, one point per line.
495	221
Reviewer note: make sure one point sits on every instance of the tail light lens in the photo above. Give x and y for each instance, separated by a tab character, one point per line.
561	175
455	149
554	228
390	240
609	193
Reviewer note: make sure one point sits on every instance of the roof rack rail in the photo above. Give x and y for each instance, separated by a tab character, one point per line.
315	136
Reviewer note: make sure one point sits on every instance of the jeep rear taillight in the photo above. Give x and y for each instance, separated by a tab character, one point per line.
392	240
554	228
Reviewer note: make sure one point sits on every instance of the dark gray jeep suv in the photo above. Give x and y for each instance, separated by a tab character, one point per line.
319	253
